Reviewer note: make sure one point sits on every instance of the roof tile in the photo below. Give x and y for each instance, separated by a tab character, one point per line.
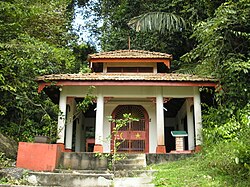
130	54
125	77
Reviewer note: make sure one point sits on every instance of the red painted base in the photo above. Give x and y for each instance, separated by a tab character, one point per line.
197	148
160	149
61	145
98	148
38	156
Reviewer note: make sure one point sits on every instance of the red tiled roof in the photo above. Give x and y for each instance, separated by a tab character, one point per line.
125	77
130	54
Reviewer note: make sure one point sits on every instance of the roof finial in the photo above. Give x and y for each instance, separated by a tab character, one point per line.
129	42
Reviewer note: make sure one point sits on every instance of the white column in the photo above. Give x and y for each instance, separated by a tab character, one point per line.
83	137
69	122
190	124
99	120
197	116
61	118
160	117
78	134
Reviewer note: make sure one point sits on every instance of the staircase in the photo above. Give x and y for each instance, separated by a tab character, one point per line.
132	165
89	170
131	162
72	178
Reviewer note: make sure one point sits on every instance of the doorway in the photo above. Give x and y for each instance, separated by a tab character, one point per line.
135	135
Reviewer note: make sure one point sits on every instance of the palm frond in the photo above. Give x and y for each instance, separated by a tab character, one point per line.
157	21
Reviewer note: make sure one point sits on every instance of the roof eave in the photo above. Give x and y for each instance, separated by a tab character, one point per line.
43	84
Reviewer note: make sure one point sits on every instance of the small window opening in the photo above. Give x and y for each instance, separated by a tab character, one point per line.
130	69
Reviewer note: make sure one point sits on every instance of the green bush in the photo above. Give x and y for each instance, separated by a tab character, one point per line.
226	141
4	161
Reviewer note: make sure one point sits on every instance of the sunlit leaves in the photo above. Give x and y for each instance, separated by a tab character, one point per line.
158	21
223	49
35	40
88	100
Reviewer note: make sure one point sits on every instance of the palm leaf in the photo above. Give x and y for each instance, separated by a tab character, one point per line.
157	21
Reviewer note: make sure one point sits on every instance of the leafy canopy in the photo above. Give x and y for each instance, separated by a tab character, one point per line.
36	39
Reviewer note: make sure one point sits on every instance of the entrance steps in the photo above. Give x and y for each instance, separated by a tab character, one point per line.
72	178
132	165
132	161
130	171
89	170
75	178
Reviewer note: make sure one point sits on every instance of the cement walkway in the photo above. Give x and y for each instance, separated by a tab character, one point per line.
142	181
133	182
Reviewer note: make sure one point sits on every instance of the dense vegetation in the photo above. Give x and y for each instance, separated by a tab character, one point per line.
193	172
37	38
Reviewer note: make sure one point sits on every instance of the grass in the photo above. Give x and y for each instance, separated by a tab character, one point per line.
193	172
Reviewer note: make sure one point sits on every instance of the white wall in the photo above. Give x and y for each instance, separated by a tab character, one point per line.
130	93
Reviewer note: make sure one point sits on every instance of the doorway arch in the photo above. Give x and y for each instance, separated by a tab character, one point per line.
135	135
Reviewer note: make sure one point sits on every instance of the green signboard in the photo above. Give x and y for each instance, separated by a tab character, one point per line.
179	133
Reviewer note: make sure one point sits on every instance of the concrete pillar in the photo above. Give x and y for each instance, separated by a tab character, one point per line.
78	134
99	124
160	122
61	118
83	137
197	117
179	143
69	123
190	124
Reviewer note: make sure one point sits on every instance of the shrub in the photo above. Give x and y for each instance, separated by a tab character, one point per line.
4	161
226	141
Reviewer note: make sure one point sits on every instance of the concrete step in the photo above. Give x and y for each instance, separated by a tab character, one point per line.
134	156
133	182
133	173
118	173
82	171
129	166
139	161
84	178
73	179
132	162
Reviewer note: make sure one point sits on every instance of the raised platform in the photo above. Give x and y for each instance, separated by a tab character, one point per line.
48	157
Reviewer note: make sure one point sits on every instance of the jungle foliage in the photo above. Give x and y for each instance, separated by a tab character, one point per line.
36	39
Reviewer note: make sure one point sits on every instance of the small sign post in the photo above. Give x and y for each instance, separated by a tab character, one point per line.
179	139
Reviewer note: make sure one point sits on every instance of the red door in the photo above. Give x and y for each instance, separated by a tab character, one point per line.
134	136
